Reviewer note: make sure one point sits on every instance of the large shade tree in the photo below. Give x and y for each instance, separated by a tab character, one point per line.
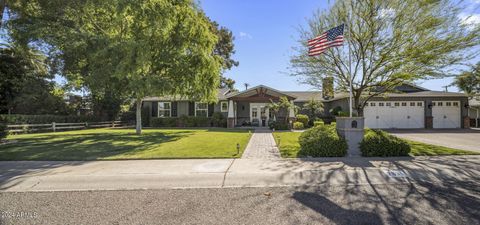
469	81
151	47
391	42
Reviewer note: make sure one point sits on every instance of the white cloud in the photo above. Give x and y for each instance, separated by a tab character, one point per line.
469	19
244	35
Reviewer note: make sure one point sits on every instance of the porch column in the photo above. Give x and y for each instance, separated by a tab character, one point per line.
291	113
231	115
478	117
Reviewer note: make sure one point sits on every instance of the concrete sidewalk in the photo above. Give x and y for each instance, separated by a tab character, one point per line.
217	173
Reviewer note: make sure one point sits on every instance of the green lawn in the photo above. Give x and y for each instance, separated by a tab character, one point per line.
419	148
288	143
107	144
289	147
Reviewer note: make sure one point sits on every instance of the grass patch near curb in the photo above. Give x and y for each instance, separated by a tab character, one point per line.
289	147
423	149
112	144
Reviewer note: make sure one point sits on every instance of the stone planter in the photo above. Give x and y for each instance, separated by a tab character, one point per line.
352	129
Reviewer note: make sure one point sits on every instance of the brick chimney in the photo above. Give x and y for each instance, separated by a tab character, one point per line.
327	88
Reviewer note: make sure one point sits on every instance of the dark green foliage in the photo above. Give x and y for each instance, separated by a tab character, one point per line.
278	125
146	117
335	111
322	141
218	120
42	119
302	119
298	126
318	123
189	121
163	122
3	130
380	143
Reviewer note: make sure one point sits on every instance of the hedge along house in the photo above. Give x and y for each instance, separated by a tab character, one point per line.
410	107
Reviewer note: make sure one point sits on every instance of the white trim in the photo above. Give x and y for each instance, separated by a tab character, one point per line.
221	107
195	109
259	106
158	109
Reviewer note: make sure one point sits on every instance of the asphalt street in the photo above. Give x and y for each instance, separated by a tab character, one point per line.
411	203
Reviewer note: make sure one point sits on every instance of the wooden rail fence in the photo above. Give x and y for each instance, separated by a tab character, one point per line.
54	127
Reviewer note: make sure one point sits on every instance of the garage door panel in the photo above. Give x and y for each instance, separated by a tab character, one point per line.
446	114
392	114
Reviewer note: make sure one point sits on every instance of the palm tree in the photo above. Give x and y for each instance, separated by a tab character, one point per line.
246	85
274	107
313	107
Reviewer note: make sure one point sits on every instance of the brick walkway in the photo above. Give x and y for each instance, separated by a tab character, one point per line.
261	146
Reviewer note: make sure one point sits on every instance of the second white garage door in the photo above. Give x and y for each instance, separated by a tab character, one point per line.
446	114
395	114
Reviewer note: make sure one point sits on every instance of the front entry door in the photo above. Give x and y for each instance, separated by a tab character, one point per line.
259	114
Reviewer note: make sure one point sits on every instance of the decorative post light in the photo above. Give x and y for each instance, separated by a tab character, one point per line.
238	149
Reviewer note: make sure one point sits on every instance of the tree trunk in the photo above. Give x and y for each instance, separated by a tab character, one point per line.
138	125
357	106
3	4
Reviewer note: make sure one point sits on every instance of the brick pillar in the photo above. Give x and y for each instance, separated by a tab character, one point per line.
429	122
466	122
231	122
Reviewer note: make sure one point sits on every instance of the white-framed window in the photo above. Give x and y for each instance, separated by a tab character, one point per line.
224	106
254	112
420	104
397	103
455	104
381	104
372	103
201	109
164	109
412	103
404	104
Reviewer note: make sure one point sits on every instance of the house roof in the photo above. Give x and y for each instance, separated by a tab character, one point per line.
305	96
253	90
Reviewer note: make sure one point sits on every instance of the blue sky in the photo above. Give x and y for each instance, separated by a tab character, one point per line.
265	33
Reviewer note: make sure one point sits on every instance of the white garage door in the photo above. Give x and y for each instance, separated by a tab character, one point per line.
446	114
395	114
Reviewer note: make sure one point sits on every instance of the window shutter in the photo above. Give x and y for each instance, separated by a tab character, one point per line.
174	109
191	108
154	109
211	108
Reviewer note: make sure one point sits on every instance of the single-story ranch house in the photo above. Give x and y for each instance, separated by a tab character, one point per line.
410	107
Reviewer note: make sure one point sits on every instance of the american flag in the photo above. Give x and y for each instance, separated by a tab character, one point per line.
331	38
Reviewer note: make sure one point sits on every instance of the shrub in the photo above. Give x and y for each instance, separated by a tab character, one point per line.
302	119
322	141
163	122
334	111
318	123
298	126
43	119
218	120
343	114
3	130
278	125
146	116
380	143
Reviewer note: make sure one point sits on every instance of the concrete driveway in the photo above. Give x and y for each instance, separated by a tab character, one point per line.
466	139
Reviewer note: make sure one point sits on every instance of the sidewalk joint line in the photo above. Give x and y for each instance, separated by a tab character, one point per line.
226	171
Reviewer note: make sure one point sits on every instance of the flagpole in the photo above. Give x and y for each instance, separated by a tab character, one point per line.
350	73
